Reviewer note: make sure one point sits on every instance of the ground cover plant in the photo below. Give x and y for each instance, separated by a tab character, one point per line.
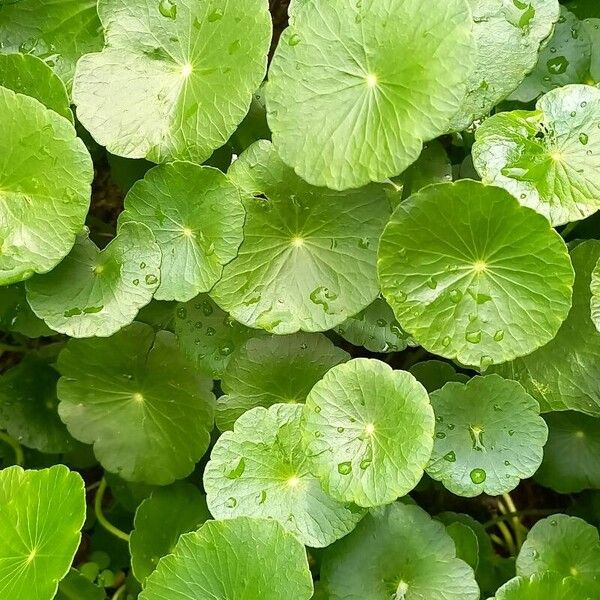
299	299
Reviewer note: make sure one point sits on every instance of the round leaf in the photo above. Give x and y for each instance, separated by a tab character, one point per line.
472	275
96	293
550	158
465	540
489	436
45	178
274	369
307	261
433	374
548	586
238	558
397	551
196	215
368	432
145	409
41	515
365	114
175	78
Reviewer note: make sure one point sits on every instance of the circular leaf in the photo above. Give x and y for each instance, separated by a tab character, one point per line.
274	369
397	551
260	470
196	215
175	78
96	293
548	159
307	261
237	558
368	432
489	436
145	409
433	374
548	586
45	181
473	276
365	115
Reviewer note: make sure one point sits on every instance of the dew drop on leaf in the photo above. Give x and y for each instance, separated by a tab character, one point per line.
450	456
583	138
344	468
478	476
168	8
473	337
231	502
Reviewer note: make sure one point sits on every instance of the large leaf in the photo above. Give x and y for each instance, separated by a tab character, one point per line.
41	515
397	551
472	275
272	370
175	78
307	261
489	436
241	559
45	178
260	469
146	410
364	113
549	158
368	432
96	293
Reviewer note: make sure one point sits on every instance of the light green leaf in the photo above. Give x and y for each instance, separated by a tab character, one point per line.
96	293
146	410
196	215
272	370
368	432
45	179
571	454
364	113
260	469
41	515
208	336
508	36
26	74
473	276
433	374
307	261
376	329
549	158
595	297
77	587
397	551
16	314
160	520
489	436
548	586
565	373
245	559
564	59
57	32
592	26
175	78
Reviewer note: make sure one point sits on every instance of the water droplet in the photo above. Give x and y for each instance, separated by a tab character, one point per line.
446	341
478	476
401	297
511	432
573	113
344	468
216	15
340	430
432	283
553	523
497	407
234	47
485	362
450	456
440	435
317	409
450	426
439	419
207	308
225	350
523	196
168	8
473	337
136	282
231	502
182	312
321	297
364	243
507	463
455	296
583	138
151	279
583	104
499	335
365	463
557	65
237	472
210	331
381	323
294	39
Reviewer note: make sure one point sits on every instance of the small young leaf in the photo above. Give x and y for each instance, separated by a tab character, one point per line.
434	374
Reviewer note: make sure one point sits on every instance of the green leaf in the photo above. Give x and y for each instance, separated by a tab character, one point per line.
592	27
548	586
26	74
145	409
465	540
376	329
508	36
473	276
175	78
77	587
57	32
565	373
567	546
96	293
549	158
45	177
160	520
308	257
28	406
565	58
434	374
241	558
16	314
489	436
196	215
41	515
571	454
595	297
272	370
368	432
397	551
364	114
209	336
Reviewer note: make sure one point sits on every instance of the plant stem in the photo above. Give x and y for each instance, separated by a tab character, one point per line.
12	348
7	439
92	486
568	229
119	593
518	527
100	515
508	538
533	512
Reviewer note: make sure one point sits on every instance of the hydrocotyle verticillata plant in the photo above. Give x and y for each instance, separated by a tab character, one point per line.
299	299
